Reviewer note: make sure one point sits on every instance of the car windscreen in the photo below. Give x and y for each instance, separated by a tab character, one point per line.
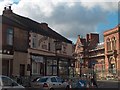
42	80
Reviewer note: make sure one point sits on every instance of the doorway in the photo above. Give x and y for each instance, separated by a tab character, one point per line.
22	70
5	67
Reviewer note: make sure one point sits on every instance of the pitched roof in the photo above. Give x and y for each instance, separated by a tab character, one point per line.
31	25
81	41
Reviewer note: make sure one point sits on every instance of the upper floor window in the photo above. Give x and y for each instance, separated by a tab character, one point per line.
34	41
113	43
10	37
64	45
108	44
49	49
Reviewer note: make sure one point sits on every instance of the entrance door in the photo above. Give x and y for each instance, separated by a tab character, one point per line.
22	69
5	67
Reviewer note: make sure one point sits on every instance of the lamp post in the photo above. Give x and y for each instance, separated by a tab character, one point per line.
93	69
72	65
81	62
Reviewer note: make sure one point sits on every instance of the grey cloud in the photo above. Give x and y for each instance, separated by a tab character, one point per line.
69	21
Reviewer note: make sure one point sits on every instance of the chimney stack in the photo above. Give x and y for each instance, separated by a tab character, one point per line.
87	38
44	26
7	10
79	36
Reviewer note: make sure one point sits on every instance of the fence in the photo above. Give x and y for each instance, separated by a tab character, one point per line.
101	73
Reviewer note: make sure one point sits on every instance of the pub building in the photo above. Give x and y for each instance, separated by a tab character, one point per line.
30	48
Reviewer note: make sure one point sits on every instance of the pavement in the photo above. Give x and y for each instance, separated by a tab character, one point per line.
108	84
108	81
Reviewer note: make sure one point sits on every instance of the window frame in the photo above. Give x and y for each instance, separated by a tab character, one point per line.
113	43
9	36
108	42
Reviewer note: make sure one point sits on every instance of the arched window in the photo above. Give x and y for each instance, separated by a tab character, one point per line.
108	44
113	43
112	65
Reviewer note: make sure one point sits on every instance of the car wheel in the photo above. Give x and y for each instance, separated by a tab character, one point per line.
68	88
51	89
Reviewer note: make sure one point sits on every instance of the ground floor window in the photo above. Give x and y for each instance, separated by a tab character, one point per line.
63	67
37	65
51	66
37	68
57	66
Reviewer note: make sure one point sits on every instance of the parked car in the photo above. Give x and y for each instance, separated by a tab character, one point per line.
49	82
7	83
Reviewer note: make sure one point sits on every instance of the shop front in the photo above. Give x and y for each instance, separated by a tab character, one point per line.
51	66
64	67
57	66
37	65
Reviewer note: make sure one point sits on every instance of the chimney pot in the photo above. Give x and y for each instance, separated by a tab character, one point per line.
9	7
4	8
44	25
7	10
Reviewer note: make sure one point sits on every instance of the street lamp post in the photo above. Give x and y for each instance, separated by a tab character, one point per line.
93	69
80	69
81	62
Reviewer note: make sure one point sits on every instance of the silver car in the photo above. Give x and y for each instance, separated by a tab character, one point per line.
8	83
50	83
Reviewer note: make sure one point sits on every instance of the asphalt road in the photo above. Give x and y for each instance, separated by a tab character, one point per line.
109	84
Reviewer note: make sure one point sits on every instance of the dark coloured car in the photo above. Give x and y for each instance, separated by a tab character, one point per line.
81	84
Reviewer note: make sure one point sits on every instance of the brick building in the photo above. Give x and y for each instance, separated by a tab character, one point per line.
97	56
32	48
102	57
112	51
82	53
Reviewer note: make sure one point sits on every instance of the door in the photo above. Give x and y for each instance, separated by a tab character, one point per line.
22	69
5	67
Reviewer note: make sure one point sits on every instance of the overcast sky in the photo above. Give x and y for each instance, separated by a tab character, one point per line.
70	18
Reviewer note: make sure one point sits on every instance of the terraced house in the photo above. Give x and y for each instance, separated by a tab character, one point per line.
32	48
